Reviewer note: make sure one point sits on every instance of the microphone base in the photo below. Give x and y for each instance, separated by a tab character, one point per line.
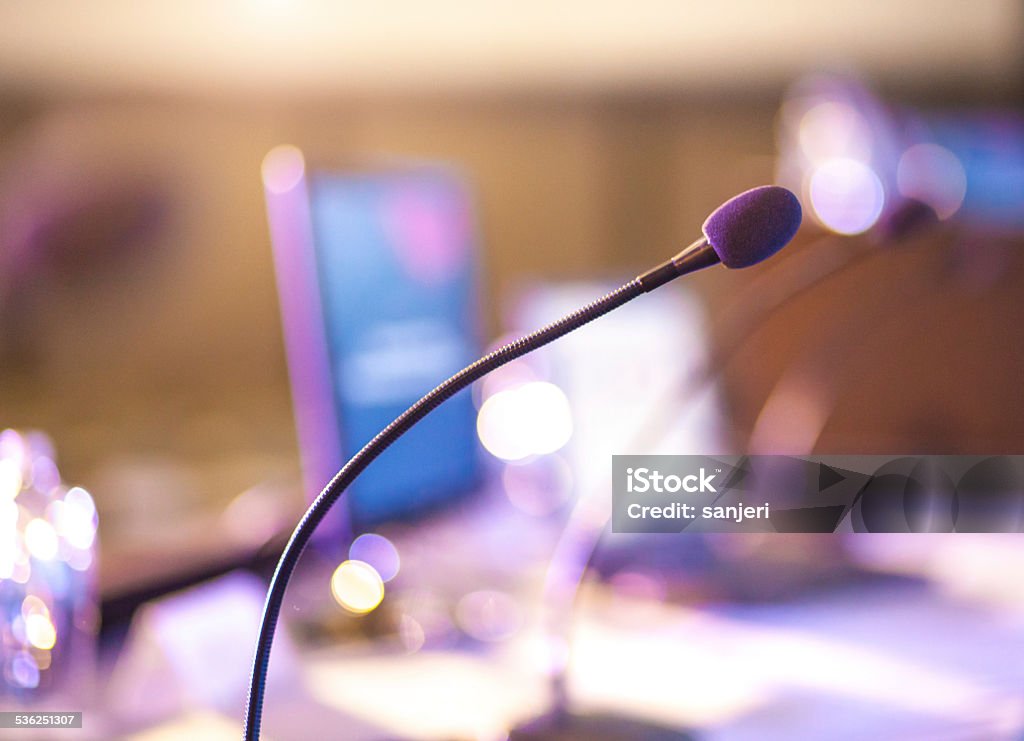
565	726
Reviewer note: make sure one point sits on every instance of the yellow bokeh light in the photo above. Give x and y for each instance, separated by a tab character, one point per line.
40	631
357	587
43	659
33	605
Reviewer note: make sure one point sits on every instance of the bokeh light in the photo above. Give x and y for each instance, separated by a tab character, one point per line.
22	570
47	537
13	446
33	605
832	130
80	560
45	476
932	175
40	631
24	670
531	419
75	518
283	168
357	587
41	539
43	659
509	376
10	478
377	551
79	499
846	195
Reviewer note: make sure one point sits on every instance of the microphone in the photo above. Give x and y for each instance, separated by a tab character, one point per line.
743	231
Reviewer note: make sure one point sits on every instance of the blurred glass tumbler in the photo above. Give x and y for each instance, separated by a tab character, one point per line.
48	608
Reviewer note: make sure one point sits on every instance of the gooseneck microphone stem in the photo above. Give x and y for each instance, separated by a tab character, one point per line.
743	231
316	512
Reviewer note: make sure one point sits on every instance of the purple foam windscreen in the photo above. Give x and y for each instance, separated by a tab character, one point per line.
753	226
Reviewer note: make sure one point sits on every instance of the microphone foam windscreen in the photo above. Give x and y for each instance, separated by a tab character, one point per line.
753	226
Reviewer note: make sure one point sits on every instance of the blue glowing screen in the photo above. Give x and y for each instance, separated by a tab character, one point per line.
395	257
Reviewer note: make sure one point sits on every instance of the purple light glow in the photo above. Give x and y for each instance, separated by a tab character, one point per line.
377	551
846	195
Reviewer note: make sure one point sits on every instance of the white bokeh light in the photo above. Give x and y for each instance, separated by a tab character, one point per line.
832	129
846	195
41	539
377	551
531	419
10	478
75	518
283	168
932	175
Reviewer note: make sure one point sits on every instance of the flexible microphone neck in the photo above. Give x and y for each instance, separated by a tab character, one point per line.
358	463
743	231
694	257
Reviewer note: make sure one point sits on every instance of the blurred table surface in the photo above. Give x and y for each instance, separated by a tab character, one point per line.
883	660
